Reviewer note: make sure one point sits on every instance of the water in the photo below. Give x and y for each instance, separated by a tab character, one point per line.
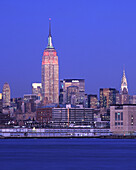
67	154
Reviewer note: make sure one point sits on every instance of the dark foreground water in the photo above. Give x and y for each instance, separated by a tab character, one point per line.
40	154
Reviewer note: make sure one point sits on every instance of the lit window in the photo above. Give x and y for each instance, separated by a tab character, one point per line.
118	116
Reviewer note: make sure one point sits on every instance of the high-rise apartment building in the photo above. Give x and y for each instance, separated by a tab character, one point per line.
50	73
6	95
72	91
107	97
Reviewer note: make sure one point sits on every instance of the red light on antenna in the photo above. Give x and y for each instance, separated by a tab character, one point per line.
49	18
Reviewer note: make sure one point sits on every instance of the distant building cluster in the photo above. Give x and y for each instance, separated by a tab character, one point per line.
64	103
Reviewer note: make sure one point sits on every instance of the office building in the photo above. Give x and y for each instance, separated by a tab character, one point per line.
37	89
132	99
124	90
0	96
27	97
1	103
6	95
107	97
92	101
72	91
85	101
29	106
123	119
118	97
65	117
50	73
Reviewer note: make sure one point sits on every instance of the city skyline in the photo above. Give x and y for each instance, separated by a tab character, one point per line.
86	44
67	84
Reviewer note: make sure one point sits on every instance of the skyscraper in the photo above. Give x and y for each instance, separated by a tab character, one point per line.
50	73
72	91
37	89
107	97
1	105
124	90
6	95
92	101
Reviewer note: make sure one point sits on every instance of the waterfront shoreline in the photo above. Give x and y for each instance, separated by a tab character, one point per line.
68	137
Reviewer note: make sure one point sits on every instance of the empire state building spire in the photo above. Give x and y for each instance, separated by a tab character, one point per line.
124	88
50	46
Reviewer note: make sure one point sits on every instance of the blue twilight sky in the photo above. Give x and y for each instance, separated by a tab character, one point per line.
93	38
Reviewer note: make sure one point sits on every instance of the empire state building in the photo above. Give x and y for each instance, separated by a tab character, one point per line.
50	73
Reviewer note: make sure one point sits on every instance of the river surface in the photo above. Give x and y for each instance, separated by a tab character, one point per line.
67	154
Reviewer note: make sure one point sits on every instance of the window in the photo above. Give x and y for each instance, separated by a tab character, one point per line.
118	116
121	115
115	116
118	123
121	123
115	123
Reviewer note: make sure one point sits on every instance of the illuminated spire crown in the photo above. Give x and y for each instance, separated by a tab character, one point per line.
50	46
124	83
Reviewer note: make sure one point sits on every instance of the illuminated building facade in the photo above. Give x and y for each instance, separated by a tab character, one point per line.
107	97
6	95
124	90
72	95
1	105
50	73
132	99
65	117
72	91
37	89
92	101
118	97
0	96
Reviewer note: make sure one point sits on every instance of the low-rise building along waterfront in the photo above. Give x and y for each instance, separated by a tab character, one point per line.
123	119
65	117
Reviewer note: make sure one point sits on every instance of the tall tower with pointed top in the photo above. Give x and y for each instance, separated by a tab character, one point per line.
50	73
124	90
